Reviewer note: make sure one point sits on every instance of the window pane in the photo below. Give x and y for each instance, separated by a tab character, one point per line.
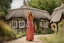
21	24
45	24
14	24
41	24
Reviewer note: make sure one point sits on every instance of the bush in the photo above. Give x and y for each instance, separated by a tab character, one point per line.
40	30
5	30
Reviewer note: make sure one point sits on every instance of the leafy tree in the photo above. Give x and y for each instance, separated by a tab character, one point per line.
48	5
2	14
4	6
62	0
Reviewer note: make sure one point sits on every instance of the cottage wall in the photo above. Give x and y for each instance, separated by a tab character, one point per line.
44	24
18	23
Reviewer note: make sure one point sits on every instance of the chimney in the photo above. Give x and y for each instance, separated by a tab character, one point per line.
24	3
62	3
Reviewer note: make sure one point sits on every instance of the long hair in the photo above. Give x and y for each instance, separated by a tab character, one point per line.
30	16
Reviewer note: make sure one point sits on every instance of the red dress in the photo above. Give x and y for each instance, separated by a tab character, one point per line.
30	30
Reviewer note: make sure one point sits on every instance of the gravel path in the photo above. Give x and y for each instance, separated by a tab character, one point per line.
23	40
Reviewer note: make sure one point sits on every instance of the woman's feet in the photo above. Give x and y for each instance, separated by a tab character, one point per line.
29	40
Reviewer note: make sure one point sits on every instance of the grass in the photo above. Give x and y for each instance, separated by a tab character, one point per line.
47	39
57	37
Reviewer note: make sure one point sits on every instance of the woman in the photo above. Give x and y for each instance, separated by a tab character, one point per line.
30	27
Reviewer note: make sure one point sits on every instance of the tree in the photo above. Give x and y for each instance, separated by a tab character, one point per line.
4	6
48	5
62	0
2	14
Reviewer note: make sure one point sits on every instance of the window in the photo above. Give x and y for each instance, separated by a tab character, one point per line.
21	24
41	24
14	24
45	24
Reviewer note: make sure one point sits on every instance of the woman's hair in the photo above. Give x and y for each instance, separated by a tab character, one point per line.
30	15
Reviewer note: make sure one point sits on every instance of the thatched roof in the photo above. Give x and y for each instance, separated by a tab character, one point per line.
23	12
57	13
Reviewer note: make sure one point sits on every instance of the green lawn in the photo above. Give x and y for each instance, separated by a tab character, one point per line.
57	37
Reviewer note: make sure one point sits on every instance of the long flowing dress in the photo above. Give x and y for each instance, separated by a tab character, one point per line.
30	30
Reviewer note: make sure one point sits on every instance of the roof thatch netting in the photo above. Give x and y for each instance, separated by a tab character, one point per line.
23	12
57	13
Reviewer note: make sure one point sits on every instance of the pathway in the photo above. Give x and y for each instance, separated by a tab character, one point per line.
23	40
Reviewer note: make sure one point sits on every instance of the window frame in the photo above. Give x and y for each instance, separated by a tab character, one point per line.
44	24
15	24
19	22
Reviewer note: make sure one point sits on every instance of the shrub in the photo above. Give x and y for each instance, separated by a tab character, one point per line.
5	30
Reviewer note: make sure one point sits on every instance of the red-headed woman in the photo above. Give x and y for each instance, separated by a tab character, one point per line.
30	27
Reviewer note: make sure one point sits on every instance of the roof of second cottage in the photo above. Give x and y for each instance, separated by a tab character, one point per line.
57	13
23	12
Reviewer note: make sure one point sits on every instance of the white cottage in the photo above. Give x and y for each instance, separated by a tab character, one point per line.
16	18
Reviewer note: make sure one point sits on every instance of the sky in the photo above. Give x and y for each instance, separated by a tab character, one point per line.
16	4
